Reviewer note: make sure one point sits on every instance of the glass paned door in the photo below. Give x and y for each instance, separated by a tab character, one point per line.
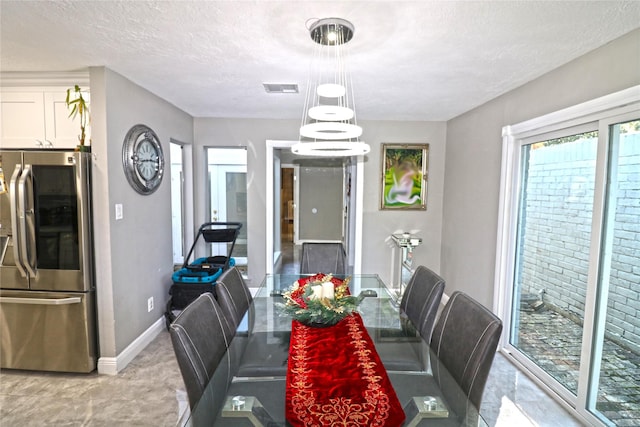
614	392
227	169
552	253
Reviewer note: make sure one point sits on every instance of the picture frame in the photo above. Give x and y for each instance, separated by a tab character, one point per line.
404	176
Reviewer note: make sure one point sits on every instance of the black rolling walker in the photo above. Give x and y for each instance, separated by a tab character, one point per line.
200	276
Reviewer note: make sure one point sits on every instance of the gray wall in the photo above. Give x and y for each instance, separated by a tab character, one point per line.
133	255
218	132
474	144
377	225
379	253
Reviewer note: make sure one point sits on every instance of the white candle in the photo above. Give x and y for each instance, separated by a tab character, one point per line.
327	290
317	292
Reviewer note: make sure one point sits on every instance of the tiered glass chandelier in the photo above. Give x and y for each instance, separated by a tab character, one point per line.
329	126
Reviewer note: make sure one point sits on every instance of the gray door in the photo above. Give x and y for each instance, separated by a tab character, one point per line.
321	203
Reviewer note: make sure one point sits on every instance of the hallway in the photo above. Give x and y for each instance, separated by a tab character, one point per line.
290	258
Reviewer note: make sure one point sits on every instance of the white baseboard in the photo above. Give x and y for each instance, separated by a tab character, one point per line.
113	365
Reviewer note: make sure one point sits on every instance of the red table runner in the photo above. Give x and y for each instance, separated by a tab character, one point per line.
335	378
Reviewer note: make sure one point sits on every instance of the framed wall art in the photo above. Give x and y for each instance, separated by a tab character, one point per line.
404	176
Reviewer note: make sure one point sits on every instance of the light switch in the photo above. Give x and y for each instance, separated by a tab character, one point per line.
119	213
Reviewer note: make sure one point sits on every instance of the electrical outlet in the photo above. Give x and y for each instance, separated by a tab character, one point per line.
149	304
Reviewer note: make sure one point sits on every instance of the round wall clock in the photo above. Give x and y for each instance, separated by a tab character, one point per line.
142	159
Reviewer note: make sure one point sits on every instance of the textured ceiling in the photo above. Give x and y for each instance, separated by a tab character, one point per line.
410	60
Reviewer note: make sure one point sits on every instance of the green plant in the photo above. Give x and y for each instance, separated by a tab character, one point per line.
78	106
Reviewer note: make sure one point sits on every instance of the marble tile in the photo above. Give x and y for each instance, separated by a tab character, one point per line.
511	398
150	392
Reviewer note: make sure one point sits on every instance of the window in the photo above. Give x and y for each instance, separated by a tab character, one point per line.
568	271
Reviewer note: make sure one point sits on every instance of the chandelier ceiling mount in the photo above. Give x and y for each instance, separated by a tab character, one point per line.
329	125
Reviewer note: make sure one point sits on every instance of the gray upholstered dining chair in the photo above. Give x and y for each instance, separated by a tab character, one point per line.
419	304
463	346
200	336
464	342
323	258
235	299
421	300
257	355
233	295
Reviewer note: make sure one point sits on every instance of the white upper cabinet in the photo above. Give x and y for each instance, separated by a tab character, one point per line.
22	119
34	119
60	128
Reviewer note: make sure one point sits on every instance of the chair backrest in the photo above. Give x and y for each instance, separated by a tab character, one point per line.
464	340
233	295
421	300
323	258
200	336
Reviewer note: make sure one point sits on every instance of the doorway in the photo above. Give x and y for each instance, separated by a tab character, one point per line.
227	181
180	159
287	204
353	235
288	251
177	203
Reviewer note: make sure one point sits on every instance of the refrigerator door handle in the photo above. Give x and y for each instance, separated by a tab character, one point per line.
16	219
41	301
27	223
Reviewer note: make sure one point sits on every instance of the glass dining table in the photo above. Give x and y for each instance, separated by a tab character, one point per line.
252	385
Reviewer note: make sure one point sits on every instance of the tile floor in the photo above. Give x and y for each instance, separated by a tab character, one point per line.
150	392
511	399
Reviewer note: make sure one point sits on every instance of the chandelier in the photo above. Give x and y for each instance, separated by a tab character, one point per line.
329	126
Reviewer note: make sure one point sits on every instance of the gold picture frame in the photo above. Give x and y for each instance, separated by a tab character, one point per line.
404	176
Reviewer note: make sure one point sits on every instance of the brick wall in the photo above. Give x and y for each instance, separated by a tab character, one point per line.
558	210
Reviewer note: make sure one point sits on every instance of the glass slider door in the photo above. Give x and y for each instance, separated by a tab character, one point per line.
552	255
613	392
569	263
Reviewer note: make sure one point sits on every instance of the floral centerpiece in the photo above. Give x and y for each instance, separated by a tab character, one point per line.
319	300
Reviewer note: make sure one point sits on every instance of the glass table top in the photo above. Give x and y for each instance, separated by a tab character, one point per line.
406	358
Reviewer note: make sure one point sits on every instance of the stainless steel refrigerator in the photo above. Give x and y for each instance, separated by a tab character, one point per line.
47	293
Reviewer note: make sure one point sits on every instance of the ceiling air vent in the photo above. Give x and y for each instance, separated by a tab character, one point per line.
280	87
